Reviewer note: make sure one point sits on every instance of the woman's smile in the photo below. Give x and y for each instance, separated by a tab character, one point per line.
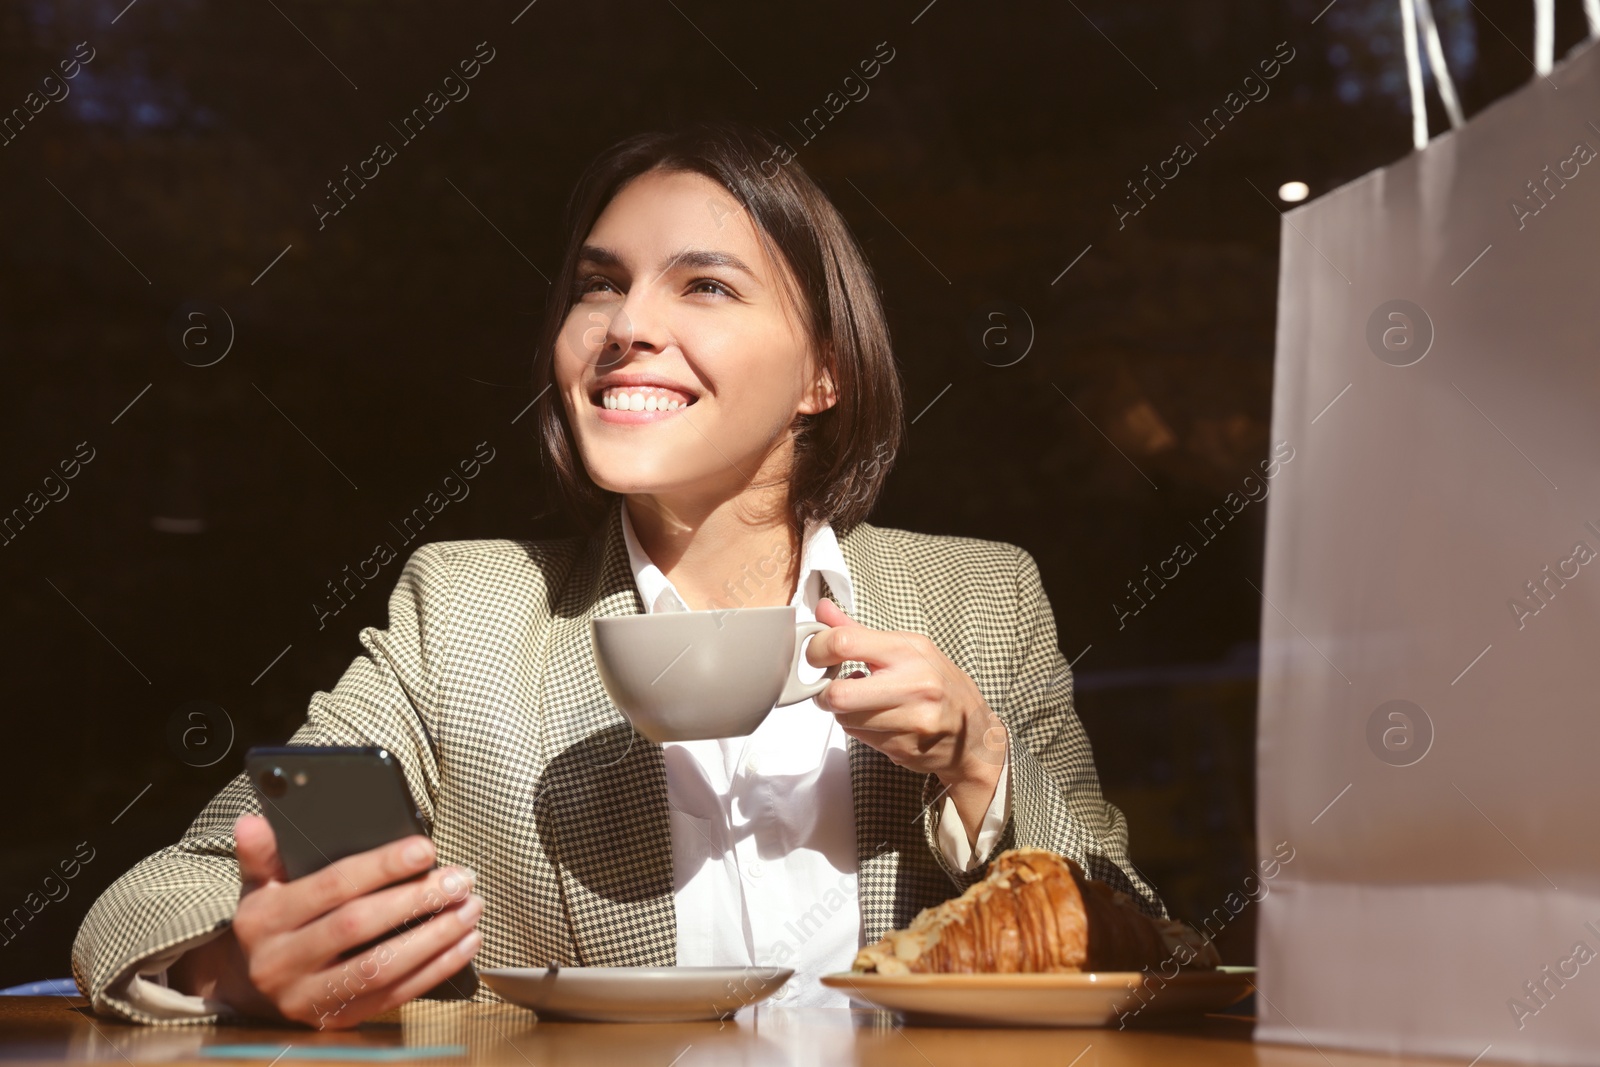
636	399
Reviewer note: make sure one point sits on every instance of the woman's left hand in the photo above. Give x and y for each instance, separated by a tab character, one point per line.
916	707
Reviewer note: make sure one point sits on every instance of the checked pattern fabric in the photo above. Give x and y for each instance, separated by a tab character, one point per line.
484	688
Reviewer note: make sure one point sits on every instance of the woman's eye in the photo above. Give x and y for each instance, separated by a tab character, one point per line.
697	286
591	284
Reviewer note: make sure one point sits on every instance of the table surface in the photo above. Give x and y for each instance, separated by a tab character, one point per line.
52	1029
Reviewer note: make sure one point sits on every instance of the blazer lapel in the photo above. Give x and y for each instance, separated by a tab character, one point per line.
602	798
894	879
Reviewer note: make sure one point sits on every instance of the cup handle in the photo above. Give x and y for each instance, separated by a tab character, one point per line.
794	690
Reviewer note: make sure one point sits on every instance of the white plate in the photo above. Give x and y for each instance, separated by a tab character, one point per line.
1094	998
635	994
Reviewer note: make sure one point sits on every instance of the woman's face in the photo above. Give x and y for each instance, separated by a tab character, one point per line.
680	363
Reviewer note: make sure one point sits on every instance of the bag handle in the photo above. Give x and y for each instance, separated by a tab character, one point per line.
1418	14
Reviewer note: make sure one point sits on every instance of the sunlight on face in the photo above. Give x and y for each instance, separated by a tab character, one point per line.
680	362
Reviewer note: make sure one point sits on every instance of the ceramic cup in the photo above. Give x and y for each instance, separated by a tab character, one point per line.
690	675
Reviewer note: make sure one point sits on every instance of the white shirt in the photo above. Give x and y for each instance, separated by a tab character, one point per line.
763	826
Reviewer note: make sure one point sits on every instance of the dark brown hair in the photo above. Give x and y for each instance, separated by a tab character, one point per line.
843	454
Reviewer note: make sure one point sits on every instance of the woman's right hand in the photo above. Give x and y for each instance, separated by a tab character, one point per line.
281	958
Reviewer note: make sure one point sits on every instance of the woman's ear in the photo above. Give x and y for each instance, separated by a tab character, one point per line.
821	395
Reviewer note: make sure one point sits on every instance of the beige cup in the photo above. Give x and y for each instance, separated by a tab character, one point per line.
690	675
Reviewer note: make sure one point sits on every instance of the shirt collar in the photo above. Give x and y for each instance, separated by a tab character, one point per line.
820	558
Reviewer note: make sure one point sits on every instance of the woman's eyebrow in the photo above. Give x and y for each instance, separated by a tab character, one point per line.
692	258
701	259
600	257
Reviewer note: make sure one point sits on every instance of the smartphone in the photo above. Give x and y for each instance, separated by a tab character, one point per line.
327	802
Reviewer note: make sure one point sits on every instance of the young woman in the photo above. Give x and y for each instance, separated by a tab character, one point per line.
719	404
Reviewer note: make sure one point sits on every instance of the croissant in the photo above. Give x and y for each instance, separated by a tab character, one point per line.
1035	911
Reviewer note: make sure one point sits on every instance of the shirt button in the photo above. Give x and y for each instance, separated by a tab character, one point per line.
755	869
752	766
782	992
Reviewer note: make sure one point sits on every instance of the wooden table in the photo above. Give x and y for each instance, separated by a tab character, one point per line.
52	1029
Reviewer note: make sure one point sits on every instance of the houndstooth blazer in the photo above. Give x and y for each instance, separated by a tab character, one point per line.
484	688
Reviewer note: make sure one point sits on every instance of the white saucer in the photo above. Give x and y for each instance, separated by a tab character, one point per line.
1103	998
635	994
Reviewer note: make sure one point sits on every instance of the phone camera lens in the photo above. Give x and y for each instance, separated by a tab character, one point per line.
274	783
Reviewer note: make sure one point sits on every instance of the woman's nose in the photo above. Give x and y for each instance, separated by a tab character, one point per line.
636	322
605	335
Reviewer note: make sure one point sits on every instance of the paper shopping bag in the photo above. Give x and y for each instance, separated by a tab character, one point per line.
1430	696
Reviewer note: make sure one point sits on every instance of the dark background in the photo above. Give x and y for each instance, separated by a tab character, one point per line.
380	350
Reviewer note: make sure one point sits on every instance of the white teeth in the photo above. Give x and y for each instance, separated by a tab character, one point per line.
616	400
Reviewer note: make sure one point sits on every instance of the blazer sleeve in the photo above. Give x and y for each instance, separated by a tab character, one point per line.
386	697
1054	788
